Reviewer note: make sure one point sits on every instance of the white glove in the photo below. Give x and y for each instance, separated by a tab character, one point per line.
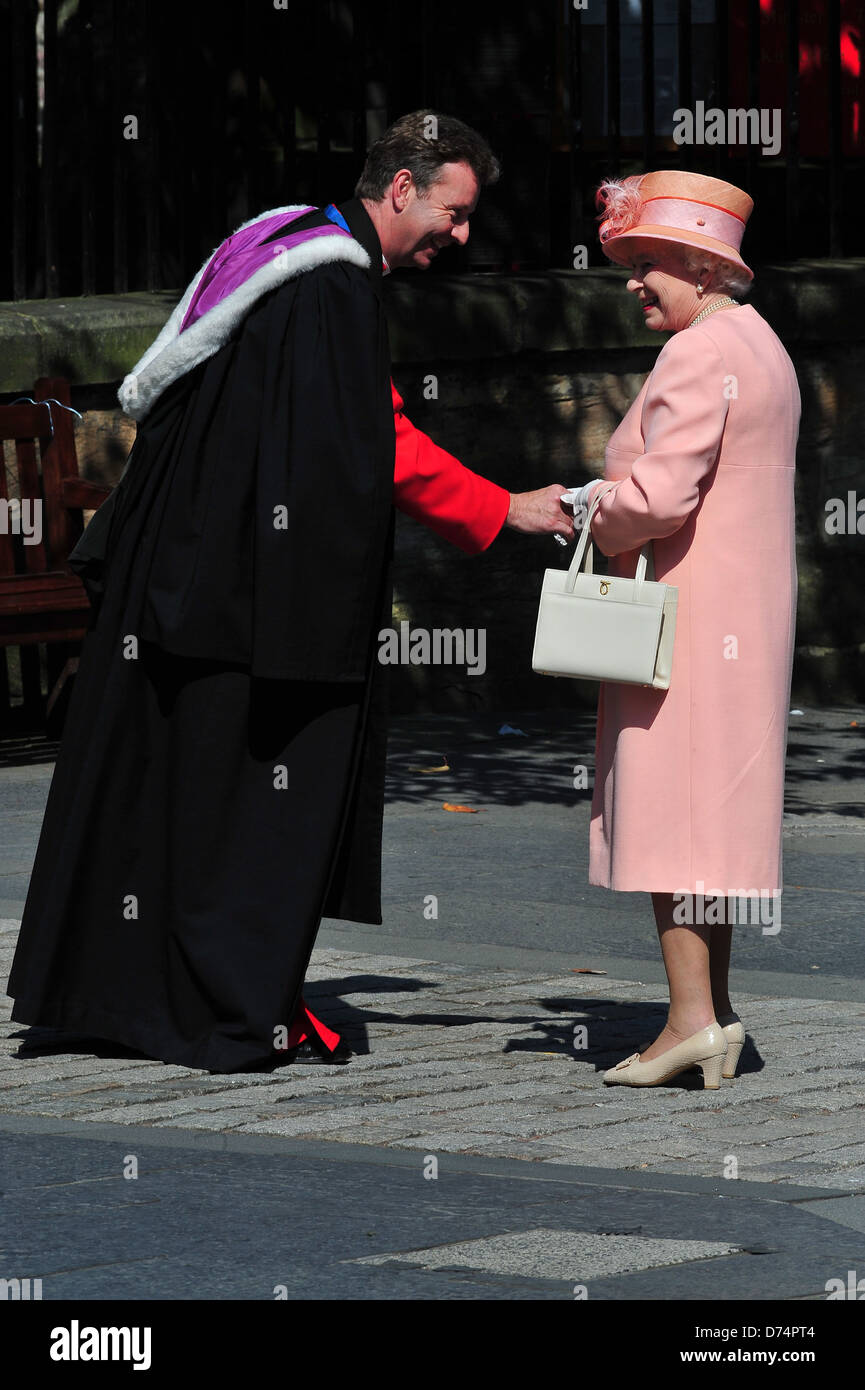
579	498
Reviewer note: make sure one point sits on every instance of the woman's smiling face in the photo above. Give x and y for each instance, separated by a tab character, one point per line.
666	291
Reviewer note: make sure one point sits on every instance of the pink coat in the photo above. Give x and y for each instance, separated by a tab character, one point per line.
689	783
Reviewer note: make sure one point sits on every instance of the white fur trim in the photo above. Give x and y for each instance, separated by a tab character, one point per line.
272	212
172	353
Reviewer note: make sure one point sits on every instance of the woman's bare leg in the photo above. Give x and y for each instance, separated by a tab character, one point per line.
687	962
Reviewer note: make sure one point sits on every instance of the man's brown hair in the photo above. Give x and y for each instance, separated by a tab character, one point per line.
423	141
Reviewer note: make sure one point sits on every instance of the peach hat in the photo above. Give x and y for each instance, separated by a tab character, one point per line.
674	205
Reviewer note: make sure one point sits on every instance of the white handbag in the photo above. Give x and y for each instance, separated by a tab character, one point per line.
603	628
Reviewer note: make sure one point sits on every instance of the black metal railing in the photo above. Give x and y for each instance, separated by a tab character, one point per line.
138	133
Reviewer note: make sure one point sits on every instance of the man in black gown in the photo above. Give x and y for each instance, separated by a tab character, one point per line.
220	782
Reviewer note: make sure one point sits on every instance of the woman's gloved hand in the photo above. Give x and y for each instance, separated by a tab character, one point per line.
579	498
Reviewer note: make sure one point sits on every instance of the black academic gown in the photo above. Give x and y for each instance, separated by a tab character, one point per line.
220	782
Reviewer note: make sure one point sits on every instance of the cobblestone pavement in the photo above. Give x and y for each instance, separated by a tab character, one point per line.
455	1059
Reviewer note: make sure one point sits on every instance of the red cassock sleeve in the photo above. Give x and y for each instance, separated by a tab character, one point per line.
434	488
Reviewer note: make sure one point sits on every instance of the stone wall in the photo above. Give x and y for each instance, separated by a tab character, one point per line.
524	378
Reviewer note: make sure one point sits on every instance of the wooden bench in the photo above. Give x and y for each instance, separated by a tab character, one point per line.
41	599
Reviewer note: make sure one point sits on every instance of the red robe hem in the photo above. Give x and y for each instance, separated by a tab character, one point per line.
306	1024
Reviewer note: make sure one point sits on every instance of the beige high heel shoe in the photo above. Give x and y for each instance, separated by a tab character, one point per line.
706	1050
734	1031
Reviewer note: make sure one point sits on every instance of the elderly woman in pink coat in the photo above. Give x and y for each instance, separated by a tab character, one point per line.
688	796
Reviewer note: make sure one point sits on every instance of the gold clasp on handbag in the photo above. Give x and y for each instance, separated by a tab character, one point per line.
604	586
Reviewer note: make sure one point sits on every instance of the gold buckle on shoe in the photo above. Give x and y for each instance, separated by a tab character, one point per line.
635	1057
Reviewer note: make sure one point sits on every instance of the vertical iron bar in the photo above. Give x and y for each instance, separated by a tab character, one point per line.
361	60
220	151
647	22
323	118
722	78
288	114
575	125
7	142
685	71
48	170
252	111
836	152
753	85
791	201
23	139
121	148
614	83
152	188
427	67
85	152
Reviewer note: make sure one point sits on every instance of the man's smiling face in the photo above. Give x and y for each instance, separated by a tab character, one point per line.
429	222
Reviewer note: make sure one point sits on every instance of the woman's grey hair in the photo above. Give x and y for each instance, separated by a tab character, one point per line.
726	277
423	142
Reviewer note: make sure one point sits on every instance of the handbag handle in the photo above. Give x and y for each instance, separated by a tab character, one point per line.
584	548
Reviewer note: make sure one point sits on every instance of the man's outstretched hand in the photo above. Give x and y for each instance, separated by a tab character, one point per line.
541	513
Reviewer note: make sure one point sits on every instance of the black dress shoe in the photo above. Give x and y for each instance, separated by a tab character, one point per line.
309	1053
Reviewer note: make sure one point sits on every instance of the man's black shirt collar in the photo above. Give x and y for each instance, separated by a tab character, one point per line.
363	230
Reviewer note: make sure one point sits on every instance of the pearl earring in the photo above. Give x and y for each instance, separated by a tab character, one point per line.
699	288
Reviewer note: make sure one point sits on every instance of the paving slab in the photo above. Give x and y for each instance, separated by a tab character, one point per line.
114	1212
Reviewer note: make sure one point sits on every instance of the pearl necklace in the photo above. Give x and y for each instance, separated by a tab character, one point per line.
710	309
